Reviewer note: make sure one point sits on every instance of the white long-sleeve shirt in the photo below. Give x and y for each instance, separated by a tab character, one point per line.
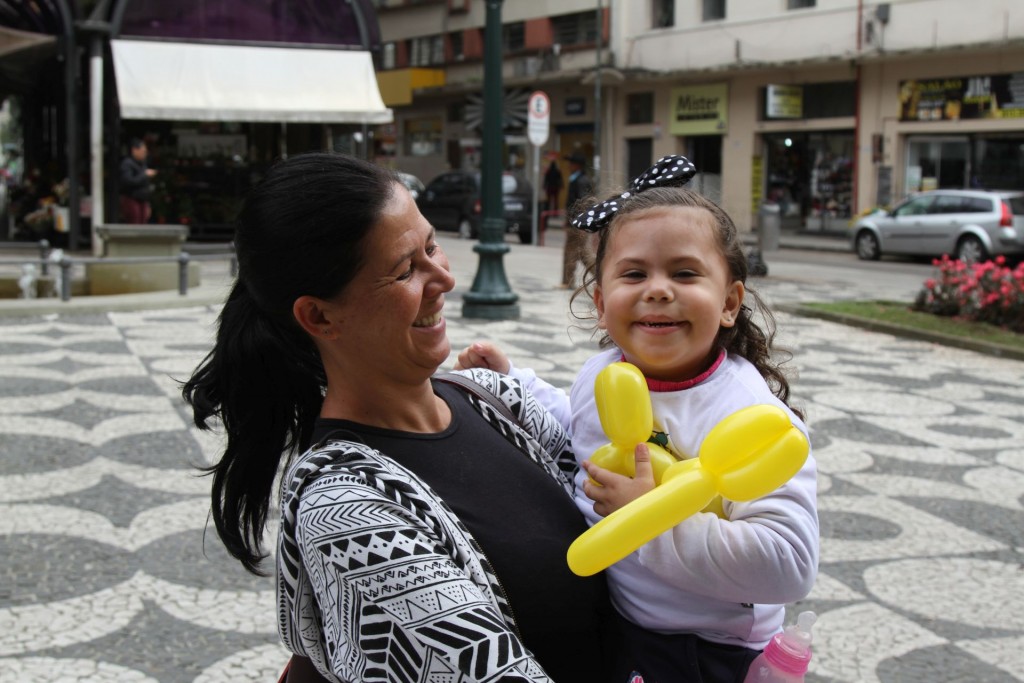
724	579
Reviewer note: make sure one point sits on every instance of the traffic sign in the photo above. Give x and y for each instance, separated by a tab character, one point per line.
539	119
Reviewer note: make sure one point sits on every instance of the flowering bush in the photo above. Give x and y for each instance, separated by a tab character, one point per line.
989	292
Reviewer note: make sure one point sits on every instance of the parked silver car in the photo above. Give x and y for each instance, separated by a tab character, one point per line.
970	225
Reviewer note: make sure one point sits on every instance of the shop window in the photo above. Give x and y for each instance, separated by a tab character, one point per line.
998	163
936	163
663	13
810	177
640	107
423	137
575	29
513	37
714	10
829	100
388	56
800	4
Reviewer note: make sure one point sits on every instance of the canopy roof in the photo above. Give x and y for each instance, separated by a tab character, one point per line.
206	82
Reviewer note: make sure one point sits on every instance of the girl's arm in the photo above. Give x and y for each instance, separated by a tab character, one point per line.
485	354
766	551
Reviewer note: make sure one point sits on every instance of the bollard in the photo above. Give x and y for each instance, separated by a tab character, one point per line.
44	252
183	273
769	226
65	279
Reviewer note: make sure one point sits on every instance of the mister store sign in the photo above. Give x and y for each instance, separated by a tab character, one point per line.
699	110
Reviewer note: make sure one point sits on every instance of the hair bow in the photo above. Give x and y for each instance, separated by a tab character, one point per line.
669	171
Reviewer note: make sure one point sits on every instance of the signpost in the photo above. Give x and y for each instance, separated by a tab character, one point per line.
537	129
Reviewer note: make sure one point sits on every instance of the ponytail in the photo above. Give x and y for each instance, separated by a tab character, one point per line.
263	380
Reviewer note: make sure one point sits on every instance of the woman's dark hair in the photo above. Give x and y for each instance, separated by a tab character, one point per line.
745	338
300	232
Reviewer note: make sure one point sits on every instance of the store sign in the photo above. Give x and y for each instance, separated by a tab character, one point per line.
784	102
1000	96
699	110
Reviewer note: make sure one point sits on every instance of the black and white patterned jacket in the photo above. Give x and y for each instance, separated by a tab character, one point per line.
378	580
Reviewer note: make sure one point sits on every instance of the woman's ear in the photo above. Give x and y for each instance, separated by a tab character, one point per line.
734	294
310	312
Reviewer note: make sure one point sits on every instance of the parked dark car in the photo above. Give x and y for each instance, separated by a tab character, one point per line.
970	225
451	201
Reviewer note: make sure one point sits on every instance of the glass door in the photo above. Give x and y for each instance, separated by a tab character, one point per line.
938	162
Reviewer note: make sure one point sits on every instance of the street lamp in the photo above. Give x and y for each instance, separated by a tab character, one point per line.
491	297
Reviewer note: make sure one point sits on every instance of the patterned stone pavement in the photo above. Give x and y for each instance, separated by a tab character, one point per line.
109	573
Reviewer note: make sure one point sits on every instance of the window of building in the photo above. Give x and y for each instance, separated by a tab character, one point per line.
663	13
426	50
513	37
423	137
714	9
800	4
456	44
575	29
640	107
387	59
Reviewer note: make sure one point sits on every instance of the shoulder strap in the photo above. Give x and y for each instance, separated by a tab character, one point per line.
487	397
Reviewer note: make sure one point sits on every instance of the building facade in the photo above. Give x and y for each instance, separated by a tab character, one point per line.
826	107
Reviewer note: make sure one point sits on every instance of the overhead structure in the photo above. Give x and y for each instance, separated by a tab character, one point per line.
206	82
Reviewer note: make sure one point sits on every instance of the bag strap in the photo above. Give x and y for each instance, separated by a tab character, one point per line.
487	397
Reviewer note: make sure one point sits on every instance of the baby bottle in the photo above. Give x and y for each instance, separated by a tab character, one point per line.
785	658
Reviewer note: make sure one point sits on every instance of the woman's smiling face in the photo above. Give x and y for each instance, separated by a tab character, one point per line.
389	318
665	290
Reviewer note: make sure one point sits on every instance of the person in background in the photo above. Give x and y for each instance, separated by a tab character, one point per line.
422	533
135	184
668	284
553	183
579	187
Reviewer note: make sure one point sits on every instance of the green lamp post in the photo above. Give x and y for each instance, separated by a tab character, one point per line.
491	297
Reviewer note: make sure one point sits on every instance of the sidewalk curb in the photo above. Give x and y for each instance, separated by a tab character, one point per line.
988	348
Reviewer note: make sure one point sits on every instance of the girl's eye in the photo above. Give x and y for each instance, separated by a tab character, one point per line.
685	274
633	275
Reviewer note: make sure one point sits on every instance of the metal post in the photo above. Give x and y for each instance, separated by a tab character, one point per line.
65	279
597	98
183	273
491	297
44	256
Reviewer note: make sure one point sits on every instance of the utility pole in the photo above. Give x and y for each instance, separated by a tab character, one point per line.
491	297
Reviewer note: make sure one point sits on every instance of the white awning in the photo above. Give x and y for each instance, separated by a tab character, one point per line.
197	81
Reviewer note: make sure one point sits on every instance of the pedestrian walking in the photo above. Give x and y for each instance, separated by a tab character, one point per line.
136	185
579	187
553	183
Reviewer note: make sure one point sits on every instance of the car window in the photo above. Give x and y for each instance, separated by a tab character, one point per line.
1016	205
977	205
445	185
947	203
916	206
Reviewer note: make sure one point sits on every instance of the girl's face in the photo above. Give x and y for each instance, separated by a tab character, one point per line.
665	291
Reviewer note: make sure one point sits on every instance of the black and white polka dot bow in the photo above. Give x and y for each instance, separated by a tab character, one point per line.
670	171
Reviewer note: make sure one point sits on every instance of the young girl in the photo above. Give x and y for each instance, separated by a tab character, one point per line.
668	288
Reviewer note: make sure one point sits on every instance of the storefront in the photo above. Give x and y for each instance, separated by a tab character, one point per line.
809	174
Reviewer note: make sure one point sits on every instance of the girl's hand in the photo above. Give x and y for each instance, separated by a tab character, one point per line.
614	491
483	354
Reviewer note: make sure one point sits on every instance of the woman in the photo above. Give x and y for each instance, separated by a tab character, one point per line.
421	532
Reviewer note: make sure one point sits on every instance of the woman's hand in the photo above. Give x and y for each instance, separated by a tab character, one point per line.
613	491
483	354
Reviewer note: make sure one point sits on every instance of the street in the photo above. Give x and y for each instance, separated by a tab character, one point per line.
110	572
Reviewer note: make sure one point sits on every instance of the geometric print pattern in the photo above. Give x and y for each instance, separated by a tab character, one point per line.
110	573
412	596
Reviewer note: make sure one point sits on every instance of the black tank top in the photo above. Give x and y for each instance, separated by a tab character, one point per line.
523	520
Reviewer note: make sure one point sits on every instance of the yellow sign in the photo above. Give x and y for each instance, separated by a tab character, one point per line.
784	102
700	110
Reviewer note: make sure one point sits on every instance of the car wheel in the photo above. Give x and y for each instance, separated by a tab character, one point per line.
867	246
465	229
970	250
525	234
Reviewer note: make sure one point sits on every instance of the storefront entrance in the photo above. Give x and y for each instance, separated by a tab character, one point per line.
810	177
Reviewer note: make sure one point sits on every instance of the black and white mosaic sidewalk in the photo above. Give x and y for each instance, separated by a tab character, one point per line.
109	573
